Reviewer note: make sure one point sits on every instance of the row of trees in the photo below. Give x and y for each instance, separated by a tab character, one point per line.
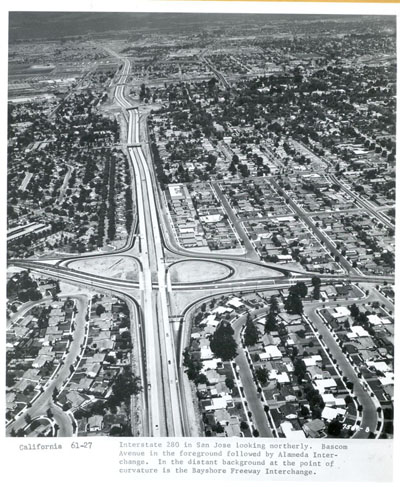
111	203
128	198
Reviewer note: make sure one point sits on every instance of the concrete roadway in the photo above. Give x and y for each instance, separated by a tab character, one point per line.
250	252
369	414
154	373
226	284
24	308
163	333
151	224
362	202
252	397
316	231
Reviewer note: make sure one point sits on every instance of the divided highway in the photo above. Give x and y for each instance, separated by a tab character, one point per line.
164	404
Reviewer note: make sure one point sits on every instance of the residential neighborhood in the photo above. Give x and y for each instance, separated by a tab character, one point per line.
201	226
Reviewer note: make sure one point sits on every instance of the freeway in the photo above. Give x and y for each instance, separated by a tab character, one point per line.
227	283
163	390
160	362
160	336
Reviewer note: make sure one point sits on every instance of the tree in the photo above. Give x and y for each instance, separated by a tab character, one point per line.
232	168
235	159
116	430
218	428
299	369
335	427
270	322
201	379
348	400
300	289
193	366
100	310
316	282
354	310
304	411
55	394
293	304
10	379
262	376
125	385
251	333
274	305
222	343
142	93
230	383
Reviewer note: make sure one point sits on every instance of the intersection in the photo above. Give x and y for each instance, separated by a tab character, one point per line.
152	293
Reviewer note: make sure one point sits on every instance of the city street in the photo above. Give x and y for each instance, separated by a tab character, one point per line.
44	399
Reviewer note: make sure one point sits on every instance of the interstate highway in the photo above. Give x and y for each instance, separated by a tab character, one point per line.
161	361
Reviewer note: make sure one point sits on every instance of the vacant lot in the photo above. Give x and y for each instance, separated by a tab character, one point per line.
116	267
198	271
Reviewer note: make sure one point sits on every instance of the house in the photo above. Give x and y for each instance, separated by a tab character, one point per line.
374	320
210	364
233	428
315	372
280	377
218	403
212	376
272	352
331	400
325	385
95	423
329	413
205	350
222	417
220	310
313	360
210	321
357	332
314	428
235	303
341	312
290	432
284	258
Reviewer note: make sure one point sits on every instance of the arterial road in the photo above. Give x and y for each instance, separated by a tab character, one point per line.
163	398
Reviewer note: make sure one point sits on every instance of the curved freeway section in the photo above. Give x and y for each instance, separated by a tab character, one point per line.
165	413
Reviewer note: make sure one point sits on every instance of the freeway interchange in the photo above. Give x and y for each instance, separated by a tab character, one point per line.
152	294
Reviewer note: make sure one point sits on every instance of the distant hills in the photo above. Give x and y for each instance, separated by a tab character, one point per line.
56	25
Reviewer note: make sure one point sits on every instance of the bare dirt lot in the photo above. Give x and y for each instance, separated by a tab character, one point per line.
198	271
124	268
248	271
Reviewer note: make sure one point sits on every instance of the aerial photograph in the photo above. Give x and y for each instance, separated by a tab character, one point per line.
200	225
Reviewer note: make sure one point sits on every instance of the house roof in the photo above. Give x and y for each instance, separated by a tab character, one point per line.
330	413
314	427
290	432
